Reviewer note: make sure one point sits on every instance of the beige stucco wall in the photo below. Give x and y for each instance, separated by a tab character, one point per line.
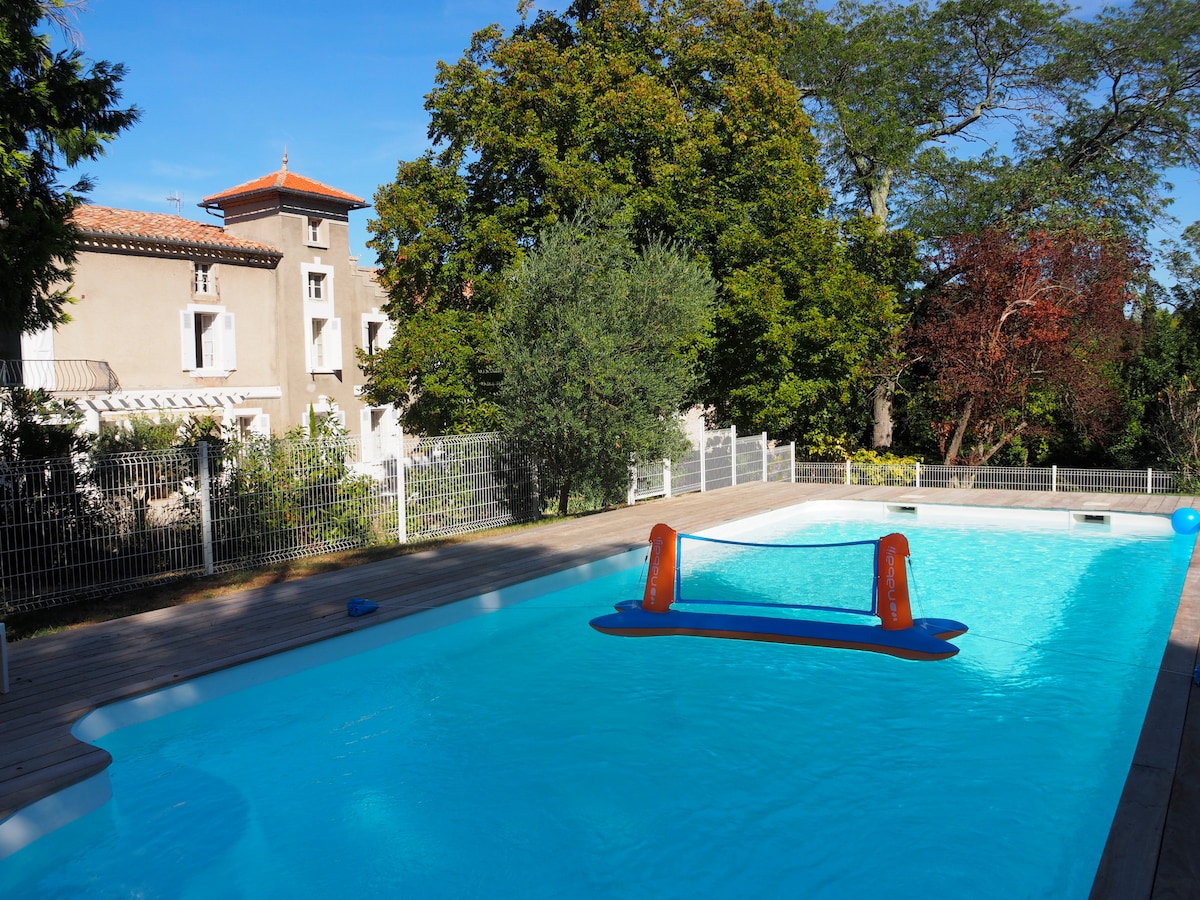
128	314
130	304
354	293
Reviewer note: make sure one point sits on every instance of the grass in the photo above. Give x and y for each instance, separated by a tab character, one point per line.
25	625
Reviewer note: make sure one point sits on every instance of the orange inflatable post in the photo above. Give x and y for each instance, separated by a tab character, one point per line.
660	574
891	585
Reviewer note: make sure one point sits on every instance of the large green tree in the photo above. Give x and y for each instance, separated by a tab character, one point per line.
1124	112
56	111
679	110
1162	381
892	84
596	342
895	89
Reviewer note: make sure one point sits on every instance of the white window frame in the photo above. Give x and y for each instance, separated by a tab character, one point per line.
324	344
326	410
309	271
383	335
316	232
259	423
204	279
224	341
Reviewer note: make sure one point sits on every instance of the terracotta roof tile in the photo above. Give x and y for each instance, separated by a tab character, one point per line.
283	180
104	220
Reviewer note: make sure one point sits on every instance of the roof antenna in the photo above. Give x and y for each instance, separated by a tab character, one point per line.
176	200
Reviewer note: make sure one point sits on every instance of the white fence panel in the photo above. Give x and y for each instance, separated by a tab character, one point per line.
89	526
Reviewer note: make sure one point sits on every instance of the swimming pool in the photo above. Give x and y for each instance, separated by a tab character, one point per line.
527	755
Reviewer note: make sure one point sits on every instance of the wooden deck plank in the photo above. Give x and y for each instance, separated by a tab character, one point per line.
58	678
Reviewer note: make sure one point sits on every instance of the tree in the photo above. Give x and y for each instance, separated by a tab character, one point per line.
596	342
55	112
679	110
1126	110
1024	329
890	84
1160	381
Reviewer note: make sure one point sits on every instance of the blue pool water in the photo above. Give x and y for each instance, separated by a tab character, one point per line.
522	754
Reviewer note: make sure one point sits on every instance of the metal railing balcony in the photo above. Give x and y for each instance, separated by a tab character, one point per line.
59	376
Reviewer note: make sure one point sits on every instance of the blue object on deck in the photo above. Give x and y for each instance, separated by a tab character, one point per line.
1196	675
360	607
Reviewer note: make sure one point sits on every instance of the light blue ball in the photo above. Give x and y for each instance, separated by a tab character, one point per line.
1185	520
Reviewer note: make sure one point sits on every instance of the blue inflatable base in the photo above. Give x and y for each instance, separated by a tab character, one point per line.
925	640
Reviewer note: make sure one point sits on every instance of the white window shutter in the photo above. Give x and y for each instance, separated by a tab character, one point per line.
386	332
365	337
333	345
309	364
228	343
187	340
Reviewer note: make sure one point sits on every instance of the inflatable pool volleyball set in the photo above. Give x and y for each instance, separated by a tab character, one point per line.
897	633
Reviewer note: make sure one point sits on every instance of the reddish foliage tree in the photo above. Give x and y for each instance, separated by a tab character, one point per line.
1024	327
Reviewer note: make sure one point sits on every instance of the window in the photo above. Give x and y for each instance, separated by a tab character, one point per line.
207	341
324	344
203	279
314	231
318	286
323	411
251	423
380	434
376	333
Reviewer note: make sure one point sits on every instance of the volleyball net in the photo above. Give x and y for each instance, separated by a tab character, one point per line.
779	579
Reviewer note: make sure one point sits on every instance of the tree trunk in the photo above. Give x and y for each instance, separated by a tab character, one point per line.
564	496
1000	443
956	441
881	414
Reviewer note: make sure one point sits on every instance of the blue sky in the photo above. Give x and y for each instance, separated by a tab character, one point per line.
226	85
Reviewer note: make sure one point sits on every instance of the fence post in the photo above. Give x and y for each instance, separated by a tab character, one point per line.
1053	479
631	497
1149	481
733	454
401	489
3	661
764	446
918	484
792	464
847	471
666	478
206	530
703	474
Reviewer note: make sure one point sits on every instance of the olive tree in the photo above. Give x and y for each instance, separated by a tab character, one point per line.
596	340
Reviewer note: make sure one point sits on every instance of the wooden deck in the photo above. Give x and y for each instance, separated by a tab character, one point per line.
1151	851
